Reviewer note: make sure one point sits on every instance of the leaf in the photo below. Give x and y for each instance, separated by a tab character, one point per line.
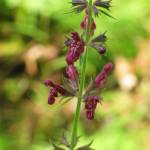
66	100
105	13
57	147
76	141
86	147
64	140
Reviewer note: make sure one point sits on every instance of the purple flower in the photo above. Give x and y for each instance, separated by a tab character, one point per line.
48	83
101	77
54	92
72	72
51	100
101	49
55	89
90	106
90	114
61	90
75	48
108	67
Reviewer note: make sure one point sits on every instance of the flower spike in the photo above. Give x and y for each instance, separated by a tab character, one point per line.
74	82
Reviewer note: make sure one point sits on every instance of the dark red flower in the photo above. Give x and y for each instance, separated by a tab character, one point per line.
72	72
95	101
48	83
75	48
90	106
51	100
55	89
61	90
101	77
54	92
90	114
108	67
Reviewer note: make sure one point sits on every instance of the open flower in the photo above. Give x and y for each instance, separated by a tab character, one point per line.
75	48
90	106
54	91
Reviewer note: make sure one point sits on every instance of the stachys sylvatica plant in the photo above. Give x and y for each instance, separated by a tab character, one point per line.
78	45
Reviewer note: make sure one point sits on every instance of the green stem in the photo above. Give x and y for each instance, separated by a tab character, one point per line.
82	79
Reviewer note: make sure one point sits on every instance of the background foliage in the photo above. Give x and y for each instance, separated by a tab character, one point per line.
31	50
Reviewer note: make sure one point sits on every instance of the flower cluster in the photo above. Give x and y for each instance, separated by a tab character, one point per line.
91	97
75	48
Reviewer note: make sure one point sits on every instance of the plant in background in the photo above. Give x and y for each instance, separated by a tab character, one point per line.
74	83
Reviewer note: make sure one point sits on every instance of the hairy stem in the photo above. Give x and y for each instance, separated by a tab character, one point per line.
82	79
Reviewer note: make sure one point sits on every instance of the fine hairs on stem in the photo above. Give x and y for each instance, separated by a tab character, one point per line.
74	81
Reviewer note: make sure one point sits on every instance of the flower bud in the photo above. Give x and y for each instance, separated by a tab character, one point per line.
53	92
85	22
100	79
48	83
101	49
51	100
108	67
71	72
70	58
60	90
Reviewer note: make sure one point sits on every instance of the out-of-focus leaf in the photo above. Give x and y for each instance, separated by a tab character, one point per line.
57	147
86	147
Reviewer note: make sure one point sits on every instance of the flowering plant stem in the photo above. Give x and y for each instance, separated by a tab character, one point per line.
82	78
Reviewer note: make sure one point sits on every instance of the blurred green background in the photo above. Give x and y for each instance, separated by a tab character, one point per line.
32	33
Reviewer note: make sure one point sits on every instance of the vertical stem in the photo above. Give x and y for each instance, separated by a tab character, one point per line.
82	79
